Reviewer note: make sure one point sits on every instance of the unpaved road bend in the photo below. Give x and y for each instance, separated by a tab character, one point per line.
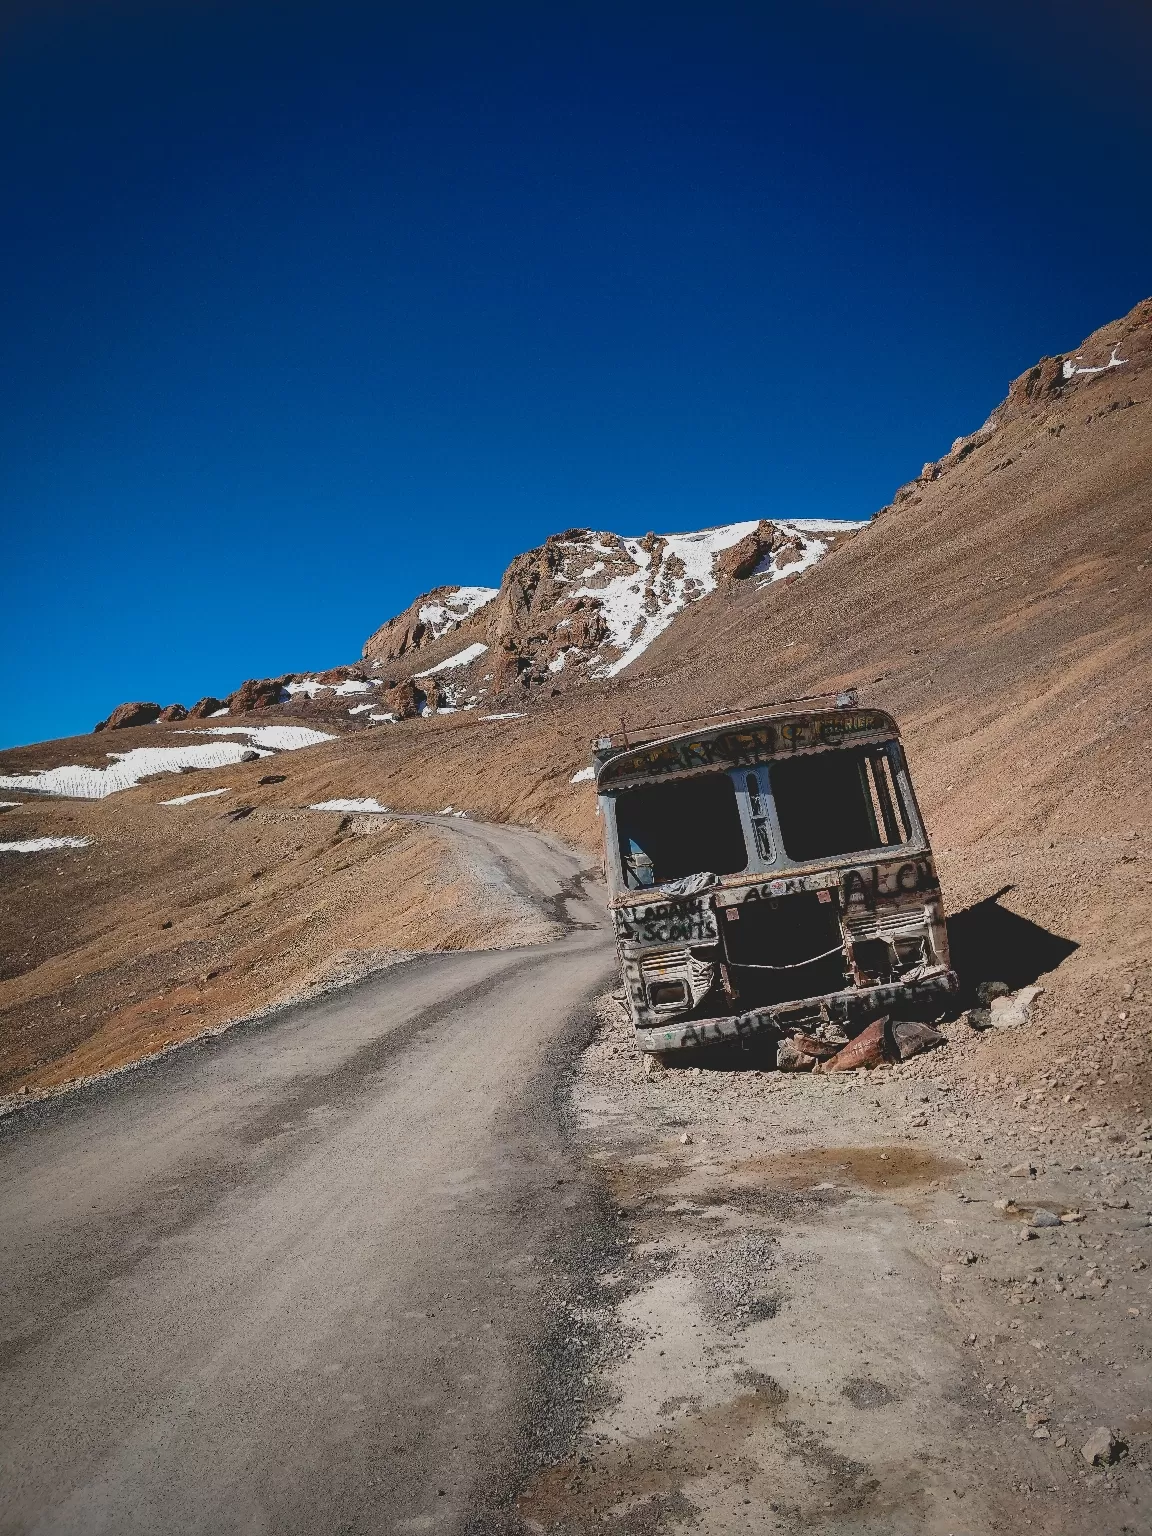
311	1276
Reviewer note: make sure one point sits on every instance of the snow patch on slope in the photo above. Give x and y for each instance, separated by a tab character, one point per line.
348	805
463	658
44	844
279	738
452	610
127	769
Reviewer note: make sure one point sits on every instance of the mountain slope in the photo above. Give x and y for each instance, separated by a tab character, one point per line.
998	606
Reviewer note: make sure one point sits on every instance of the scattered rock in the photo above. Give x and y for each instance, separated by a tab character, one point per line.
987	990
978	1018
1025	1235
1043	1218
272	778
1022	1171
1102	1448
1008	1012
406	700
791	1058
685	1140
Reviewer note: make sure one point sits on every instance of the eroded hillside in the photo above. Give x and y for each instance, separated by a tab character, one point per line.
998	607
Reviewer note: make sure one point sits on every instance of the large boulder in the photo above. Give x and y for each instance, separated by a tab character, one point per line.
172	713
125	715
208	705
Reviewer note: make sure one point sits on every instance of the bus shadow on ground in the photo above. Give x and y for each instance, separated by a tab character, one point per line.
990	943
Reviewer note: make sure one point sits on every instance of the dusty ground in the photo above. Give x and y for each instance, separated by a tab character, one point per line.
180	919
824	1321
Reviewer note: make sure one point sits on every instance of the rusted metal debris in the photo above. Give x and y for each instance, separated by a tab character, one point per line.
772	877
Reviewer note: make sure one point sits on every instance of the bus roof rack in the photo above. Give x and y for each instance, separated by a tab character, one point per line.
606	742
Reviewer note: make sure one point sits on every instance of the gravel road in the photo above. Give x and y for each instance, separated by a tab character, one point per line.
305	1277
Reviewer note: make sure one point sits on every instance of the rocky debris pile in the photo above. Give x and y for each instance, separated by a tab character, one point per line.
1001	1008
829	1049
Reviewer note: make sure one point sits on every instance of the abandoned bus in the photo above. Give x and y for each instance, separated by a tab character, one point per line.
771	877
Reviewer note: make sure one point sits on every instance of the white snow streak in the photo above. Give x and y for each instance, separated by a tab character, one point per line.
463	658
348	805
201	794
281	738
622	602
44	844
127	769
1070	369
624	599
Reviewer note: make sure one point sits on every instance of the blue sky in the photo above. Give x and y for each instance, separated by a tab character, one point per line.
309	307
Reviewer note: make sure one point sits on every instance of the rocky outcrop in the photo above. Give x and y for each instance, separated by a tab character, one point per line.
172	713
740	560
258	693
208	705
337	675
126	715
409	698
432	616
1119	350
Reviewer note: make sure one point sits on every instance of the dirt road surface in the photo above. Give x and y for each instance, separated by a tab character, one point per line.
434	1253
304	1278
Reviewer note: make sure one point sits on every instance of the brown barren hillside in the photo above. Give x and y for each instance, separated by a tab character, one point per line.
999	607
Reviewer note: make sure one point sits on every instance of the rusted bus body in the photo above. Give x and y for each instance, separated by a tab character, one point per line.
769	877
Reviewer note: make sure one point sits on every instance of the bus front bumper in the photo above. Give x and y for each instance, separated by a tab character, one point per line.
855	1005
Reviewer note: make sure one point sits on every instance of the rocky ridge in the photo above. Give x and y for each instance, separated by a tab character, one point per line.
582	607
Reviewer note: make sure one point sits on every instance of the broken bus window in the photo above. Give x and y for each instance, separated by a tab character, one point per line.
830	803
680	828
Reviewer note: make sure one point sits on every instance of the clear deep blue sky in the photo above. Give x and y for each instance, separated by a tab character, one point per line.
309	307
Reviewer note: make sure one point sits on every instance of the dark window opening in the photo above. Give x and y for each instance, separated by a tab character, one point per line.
799	934
683	827
838	802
